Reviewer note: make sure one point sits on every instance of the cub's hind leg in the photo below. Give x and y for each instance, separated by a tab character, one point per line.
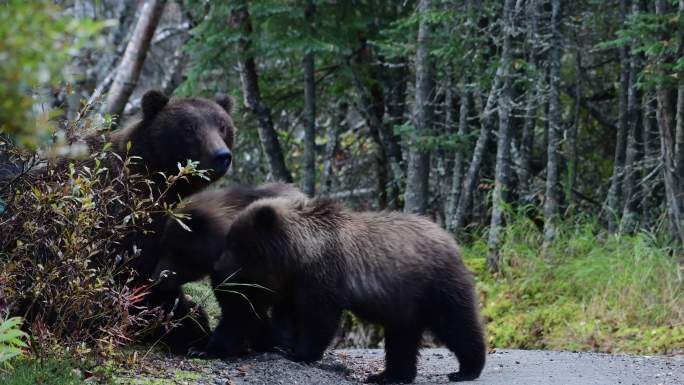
459	328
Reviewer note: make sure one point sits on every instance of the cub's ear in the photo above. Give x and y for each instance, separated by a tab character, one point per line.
225	101
265	217
152	102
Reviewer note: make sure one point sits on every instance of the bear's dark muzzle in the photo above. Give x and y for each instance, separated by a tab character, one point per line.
220	161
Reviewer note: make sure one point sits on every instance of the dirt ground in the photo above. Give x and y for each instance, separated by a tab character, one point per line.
342	367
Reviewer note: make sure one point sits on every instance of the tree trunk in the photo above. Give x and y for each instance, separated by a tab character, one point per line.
309	179
679	145
667	148
470	180
382	177
635	155
128	72
445	156
551	199
651	151
525	191
395	105
332	145
371	107
615	193
252	95
672	194
419	158
572	133
503	143
102	73
459	158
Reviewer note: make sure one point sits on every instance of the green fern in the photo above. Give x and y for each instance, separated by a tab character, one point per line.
12	340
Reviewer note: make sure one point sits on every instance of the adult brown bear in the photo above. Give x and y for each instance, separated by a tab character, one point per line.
168	133
398	270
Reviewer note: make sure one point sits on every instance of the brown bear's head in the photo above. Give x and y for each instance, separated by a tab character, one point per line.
280	235
174	131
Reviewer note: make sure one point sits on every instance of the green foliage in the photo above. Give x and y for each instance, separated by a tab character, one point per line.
12	339
36	42
658	39
50	371
594	291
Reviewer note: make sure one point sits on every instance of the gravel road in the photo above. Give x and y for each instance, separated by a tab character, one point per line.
504	367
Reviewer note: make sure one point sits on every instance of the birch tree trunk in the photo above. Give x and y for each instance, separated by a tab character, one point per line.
503	143
551	199
419	159
128	71
249	80
615	193
309	178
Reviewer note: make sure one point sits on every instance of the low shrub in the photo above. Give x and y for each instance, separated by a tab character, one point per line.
62	263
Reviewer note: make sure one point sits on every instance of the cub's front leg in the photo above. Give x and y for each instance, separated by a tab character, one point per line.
316	321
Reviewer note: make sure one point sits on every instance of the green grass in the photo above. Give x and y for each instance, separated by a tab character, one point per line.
594	291
51	371
202	294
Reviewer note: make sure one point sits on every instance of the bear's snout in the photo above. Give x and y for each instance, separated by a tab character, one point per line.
220	160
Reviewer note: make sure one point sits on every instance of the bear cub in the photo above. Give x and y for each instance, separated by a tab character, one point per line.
399	270
189	251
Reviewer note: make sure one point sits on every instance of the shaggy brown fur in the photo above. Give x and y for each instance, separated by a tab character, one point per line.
171	132
399	270
189	254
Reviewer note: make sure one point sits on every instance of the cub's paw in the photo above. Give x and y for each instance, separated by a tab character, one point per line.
458	376
214	351
196	352
384	378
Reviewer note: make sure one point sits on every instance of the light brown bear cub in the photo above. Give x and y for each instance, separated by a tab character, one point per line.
398	270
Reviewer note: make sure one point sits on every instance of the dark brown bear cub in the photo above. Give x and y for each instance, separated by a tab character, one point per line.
189	251
398	270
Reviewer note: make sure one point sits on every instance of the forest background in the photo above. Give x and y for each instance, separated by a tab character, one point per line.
546	135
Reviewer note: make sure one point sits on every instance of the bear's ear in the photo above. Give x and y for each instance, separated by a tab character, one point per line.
225	101
265	217
152	102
